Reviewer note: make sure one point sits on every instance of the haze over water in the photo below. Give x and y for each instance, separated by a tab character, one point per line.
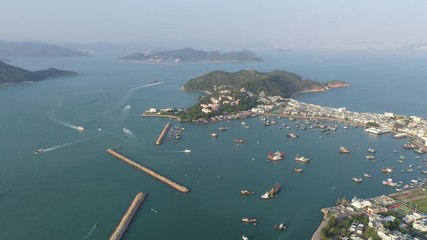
62	193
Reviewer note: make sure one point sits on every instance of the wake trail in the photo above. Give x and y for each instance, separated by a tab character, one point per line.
90	232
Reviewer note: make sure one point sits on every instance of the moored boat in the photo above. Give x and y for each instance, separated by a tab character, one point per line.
302	159
298	170
275	156
387	169
239	141
344	150
292	135
371	150
370	157
223	128
248	220
272	193
246	192
214	135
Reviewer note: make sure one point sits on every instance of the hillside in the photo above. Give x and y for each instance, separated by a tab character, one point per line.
190	55
12	74
277	82
32	49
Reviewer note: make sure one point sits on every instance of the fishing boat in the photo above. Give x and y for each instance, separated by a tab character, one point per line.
370	157
275	156
298	170
249	220
302	159
387	169
214	135
239	141
292	135
272	193
246	192
223	128
344	150
357	180
39	151
280	227
389	182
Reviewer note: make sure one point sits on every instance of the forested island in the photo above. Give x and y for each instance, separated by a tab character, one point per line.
10	74
230	93
189	55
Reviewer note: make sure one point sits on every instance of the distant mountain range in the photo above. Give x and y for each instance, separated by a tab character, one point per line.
33	49
277	82
189	55
12	74
93	47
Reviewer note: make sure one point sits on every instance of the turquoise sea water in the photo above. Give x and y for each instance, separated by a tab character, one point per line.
62	193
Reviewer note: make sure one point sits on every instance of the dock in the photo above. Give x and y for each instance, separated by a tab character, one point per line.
148	171
163	134
127	217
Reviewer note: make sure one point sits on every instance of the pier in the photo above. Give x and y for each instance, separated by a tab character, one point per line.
163	134
127	218
148	171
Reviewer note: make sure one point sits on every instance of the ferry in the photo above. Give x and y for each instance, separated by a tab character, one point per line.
39	151
280	227
275	156
344	150
298	170
302	159
246	192
272	193
292	135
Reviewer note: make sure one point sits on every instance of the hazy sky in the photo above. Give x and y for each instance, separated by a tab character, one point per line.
219	23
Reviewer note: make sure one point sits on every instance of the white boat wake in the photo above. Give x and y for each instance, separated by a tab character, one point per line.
128	133
43	150
128	94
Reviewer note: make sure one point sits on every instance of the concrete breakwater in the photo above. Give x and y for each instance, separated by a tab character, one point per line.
127	217
148	171
163	134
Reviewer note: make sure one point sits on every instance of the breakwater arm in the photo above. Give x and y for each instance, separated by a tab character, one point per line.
127	217
163	134
148	171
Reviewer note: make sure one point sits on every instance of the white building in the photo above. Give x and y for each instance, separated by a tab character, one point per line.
420	225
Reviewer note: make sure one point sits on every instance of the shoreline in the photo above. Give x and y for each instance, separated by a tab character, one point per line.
316	234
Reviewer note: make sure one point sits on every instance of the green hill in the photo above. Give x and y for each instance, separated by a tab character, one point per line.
12	74
277	82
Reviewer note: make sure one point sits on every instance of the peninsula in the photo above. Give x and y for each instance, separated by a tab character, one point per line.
189	55
230	93
10	74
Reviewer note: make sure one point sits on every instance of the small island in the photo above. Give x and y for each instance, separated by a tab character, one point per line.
10	74
189	55
238	92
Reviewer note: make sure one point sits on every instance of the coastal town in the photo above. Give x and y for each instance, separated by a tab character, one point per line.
224	97
401	215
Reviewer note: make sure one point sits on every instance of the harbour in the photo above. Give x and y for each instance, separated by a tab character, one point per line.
80	177
121	227
148	171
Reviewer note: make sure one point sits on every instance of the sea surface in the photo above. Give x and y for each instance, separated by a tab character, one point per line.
64	192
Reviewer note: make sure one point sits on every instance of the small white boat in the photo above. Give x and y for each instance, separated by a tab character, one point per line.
187	151
127	107
367	175
244	237
80	129
357	180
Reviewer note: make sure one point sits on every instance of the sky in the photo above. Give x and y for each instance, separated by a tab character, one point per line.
288	24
